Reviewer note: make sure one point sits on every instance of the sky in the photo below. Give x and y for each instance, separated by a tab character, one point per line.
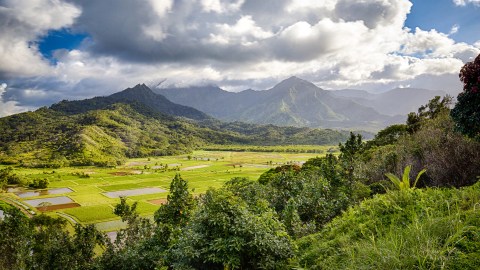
52	50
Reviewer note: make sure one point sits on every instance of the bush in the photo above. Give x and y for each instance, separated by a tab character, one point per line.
38	183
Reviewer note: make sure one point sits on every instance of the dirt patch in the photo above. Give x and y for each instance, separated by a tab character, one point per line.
158	201
120	173
57	207
194	167
257	166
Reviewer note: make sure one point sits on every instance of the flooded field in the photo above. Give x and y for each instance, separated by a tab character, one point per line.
50	201
26	194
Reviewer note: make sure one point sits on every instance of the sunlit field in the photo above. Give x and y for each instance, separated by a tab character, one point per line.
145	180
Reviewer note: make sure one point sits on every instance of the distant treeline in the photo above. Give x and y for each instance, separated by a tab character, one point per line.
273	148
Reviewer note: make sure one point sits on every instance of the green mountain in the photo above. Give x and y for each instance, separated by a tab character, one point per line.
141	94
293	102
105	131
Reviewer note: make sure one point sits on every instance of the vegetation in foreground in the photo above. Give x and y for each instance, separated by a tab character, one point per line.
326	214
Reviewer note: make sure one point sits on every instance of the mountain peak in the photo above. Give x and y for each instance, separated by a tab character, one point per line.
293	82
140	87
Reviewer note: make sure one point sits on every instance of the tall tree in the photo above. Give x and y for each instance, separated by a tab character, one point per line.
224	234
466	112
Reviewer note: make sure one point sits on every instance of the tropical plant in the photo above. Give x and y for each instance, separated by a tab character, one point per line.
405	183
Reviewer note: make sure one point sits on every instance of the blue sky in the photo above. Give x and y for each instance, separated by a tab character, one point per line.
442	15
73	49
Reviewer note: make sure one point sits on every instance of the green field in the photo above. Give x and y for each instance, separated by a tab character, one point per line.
203	169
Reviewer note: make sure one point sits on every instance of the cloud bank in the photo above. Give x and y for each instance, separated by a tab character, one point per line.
236	44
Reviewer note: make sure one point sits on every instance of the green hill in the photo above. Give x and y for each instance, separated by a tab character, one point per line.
138	94
58	136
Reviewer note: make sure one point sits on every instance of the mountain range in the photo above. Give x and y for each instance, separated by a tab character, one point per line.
136	122
297	102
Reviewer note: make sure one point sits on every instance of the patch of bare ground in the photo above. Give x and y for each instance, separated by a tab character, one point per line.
158	201
57	207
120	173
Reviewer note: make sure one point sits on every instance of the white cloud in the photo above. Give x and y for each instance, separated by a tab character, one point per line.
465	2
236	44
8	107
454	29
22	23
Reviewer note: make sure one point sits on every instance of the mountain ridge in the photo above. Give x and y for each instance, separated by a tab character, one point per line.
140	93
292	102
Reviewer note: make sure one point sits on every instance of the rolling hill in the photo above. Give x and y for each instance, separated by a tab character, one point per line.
105	131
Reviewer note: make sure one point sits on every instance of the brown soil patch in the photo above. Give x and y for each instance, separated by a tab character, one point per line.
120	173
57	207
158	201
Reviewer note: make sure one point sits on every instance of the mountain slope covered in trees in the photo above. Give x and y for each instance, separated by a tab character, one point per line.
138	94
94	132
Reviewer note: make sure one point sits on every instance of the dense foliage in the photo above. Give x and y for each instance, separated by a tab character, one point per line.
466	113
108	136
405	229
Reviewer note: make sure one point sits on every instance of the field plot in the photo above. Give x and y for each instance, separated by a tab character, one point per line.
49	201
43	192
133	192
93	192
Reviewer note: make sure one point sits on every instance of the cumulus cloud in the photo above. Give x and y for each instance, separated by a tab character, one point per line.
8	107
236	44
22	22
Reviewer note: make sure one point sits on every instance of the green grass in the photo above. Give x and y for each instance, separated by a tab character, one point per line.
406	229
89	214
221	166
120	187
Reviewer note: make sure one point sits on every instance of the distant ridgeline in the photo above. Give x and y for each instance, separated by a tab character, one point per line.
296	102
105	131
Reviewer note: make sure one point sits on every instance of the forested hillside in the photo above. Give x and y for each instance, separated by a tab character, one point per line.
89	133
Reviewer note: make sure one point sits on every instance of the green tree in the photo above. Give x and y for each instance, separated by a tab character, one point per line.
15	238
224	234
180	203
134	247
466	112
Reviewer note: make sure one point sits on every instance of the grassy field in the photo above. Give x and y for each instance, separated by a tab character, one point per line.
203	169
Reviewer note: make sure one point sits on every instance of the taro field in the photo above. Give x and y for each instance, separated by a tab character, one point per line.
88	194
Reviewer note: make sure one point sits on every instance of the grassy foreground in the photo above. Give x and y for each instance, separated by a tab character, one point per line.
203	169
408	229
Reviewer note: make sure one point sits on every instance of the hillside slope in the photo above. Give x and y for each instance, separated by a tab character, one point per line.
292	102
108	136
141	94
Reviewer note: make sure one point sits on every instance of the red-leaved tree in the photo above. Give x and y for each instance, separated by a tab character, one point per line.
466	112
